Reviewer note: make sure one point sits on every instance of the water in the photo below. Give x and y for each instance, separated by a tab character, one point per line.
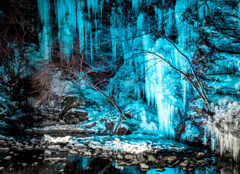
82	165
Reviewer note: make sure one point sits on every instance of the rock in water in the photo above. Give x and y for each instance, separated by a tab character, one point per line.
87	154
73	152
7	158
24	164
160	169
144	166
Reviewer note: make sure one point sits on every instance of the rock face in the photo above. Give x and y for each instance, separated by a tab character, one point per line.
69	112
65	109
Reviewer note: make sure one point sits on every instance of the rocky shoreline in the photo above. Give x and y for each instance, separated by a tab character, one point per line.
147	155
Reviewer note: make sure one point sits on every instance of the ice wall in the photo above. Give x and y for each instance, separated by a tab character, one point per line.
163	87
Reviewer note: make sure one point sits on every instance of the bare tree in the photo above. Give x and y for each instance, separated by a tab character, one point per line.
77	68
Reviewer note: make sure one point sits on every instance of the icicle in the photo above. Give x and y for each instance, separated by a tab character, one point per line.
239	17
227	142
96	36
169	23
212	140
91	42
66	12
89	7
115	23
86	26
92	5
101	8
211	8
45	36
200	11
159	17
140	21
205	136
80	24
136	5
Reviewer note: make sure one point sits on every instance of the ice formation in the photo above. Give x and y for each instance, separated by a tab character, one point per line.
45	35
161	83
225	128
146	74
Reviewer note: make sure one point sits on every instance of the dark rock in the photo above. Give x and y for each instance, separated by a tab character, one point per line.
122	131
91	125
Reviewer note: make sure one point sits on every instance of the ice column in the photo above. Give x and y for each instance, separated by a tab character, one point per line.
115	20
155	81
136	5
169	23
88	35
45	36
239	17
80	23
66	13
211	8
200	11
92	4
159	17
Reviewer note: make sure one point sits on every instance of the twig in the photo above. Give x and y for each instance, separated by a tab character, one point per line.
105	168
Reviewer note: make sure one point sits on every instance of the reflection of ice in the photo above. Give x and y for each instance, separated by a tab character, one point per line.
79	162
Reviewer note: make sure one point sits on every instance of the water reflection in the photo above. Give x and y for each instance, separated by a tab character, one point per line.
35	164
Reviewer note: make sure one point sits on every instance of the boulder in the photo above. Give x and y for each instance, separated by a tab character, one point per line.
119	156
89	126
171	159
159	169
144	166
128	156
87	153
74	116
73	152
7	158
152	159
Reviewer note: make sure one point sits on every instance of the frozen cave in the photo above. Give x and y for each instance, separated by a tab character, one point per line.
120	86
